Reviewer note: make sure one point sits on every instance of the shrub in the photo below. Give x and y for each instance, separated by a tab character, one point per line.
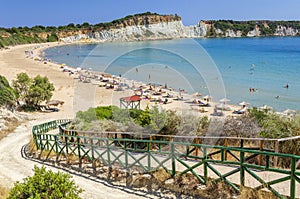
45	184
7	93
33	91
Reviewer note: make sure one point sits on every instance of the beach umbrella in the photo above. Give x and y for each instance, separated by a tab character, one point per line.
224	100
197	94
243	103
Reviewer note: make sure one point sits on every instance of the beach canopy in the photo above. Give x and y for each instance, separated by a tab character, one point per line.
133	98
131	102
224	100
55	102
243	103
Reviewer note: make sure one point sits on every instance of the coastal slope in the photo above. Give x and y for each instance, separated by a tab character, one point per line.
146	26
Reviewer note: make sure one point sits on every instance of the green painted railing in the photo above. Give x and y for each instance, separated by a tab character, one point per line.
173	156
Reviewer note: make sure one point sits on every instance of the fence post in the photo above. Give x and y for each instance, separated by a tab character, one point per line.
67	148
47	142
126	156
242	170
261	148
79	154
149	154
173	158
205	171
197	147
276	148
93	154
56	147
225	151
293	179
107	149
150	148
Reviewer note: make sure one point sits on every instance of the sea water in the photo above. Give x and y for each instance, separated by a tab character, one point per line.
229	65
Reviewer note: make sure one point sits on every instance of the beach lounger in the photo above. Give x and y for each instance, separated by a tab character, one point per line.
241	111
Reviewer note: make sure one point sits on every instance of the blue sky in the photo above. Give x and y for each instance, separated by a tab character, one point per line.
62	12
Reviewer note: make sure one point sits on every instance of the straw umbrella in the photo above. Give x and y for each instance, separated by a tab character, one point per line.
224	100
243	103
197	94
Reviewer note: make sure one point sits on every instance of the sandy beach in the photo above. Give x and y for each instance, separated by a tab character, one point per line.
76	96
80	96
14	167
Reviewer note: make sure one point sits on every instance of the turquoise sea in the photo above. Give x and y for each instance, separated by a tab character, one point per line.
219	67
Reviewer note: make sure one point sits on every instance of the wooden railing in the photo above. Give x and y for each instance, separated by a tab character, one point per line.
177	155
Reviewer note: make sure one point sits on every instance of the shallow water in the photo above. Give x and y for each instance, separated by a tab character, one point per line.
204	65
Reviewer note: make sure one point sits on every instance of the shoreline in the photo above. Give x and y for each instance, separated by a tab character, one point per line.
12	62
88	95
70	90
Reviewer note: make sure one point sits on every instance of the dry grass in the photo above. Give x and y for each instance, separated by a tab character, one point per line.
4	192
248	193
11	124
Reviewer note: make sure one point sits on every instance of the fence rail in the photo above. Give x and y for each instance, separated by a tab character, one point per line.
233	165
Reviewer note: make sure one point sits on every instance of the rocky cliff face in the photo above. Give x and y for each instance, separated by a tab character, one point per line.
155	27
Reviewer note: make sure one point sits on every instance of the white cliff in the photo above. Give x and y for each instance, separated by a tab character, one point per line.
162	30
168	30
285	31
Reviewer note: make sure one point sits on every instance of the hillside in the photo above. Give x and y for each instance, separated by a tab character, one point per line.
229	28
146	26
36	34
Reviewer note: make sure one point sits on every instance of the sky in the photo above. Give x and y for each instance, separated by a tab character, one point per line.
15	13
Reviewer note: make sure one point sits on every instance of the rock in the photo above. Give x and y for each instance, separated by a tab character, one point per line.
156	28
170	181
141	181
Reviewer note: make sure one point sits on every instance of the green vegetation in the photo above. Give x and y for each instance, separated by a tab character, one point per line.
32	91
112	118
256	123
243	26
267	28
7	93
37	34
45	184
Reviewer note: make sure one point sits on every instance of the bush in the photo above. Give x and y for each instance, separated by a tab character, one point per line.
7	93
45	184
32	91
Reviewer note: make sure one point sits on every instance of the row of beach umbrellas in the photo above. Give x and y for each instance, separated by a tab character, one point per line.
223	101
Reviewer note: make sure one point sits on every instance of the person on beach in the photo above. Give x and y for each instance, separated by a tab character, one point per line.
286	86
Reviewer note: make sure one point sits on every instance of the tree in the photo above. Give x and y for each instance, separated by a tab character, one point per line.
45	184
40	90
7	93
21	85
32	91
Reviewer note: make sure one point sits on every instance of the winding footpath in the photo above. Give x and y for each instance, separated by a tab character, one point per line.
14	167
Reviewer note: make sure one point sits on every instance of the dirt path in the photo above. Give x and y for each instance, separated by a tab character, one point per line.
14	168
